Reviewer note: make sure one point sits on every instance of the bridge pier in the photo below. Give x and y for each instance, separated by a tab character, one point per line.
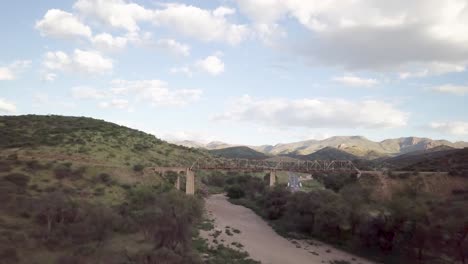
177	183
272	178
190	182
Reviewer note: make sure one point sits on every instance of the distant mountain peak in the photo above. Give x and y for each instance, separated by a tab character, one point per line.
358	146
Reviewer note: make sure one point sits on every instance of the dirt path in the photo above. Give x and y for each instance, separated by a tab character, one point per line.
261	241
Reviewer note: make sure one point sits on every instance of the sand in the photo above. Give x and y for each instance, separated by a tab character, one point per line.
262	242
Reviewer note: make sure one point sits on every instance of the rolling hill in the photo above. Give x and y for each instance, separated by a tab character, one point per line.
454	161
413	157
327	153
73	191
238	153
355	145
88	140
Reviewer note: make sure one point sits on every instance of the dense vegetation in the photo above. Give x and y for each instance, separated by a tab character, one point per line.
88	140
58	213
73	191
412	226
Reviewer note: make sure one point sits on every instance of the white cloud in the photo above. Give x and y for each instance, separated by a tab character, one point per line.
367	34
58	60
351	80
156	92
173	47
116	13
211	64
455	128
451	89
269	34
6	74
316	113
91	62
202	24
88	62
48	77
433	68
177	136
10	72
116	103
7	106
223	11
85	92
107	42
184	70
61	24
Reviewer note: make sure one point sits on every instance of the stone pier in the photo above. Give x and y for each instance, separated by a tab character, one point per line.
272	178
177	183
190	182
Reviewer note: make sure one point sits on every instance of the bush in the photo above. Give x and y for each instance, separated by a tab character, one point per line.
9	255
65	171
405	175
62	172
18	179
235	192
138	167
105	178
215	179
4	167
34	165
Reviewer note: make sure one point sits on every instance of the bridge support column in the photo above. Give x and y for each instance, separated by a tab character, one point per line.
190	182
272	178
177	183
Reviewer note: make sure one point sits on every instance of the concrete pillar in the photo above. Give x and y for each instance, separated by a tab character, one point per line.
190	182
272	178
177	183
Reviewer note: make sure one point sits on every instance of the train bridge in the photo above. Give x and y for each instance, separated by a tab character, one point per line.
246	165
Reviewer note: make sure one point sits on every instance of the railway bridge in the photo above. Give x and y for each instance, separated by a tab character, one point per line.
246	165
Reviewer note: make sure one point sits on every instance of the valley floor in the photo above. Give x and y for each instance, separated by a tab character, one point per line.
261	241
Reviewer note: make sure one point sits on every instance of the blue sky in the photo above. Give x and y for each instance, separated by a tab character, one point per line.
242	71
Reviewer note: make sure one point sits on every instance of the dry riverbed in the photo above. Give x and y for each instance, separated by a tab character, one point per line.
239	227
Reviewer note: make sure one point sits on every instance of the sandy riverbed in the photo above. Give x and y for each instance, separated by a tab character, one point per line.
262	242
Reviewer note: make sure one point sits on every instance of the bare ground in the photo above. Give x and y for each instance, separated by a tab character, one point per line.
262	242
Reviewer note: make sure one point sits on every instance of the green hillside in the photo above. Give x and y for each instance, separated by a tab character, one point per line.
454	161
328	153
73	191
238	153
88	140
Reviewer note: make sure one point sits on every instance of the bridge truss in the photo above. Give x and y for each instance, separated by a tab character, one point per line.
308	166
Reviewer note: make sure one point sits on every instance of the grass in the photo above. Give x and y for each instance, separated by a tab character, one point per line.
310	185
89	141
221	254
90	160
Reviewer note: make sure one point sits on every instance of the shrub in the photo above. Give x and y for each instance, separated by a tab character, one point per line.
62	172
9	255
405	175
105	178
138	167
65	171
34	165
4	167
12	157
235	192
18	179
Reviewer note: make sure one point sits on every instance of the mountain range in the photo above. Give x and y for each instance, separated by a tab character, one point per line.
356	145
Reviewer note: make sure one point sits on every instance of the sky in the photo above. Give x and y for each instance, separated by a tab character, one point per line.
242	71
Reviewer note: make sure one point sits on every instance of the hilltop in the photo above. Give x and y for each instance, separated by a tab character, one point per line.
73	191
327	153
356	145
88	140
238	153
